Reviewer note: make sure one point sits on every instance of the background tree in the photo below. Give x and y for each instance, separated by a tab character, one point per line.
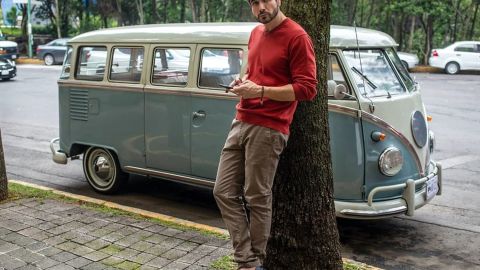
304	229
3	173
12	16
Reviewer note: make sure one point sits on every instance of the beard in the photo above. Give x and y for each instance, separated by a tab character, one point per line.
266	17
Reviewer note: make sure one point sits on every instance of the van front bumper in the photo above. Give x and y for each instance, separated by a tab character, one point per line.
57	156
407	204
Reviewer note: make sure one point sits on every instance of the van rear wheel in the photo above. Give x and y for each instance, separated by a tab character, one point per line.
102	170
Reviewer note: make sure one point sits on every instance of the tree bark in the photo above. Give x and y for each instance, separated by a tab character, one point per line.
57	16
304	231
182	11
3	173
412	33
474	20
139	4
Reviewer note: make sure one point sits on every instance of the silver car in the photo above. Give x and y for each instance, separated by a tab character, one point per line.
53	52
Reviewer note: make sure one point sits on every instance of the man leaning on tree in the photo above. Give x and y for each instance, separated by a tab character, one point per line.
281	71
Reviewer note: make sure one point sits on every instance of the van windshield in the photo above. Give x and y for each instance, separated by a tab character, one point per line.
406	78
375	77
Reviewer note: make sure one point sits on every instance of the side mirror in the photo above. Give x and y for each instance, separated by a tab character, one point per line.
339	92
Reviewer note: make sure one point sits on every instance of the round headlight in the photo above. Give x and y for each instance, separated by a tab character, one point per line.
419	129
390	161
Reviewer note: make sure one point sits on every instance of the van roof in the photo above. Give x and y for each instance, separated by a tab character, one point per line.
226	33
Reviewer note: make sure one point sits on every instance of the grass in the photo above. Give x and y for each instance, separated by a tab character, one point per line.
226	263
17	191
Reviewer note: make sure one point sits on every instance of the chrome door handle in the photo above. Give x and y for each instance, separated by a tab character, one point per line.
199	114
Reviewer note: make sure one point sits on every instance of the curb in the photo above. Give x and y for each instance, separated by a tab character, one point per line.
134	210
23	61
150	214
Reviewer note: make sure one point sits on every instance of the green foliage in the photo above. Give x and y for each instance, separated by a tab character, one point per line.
12	16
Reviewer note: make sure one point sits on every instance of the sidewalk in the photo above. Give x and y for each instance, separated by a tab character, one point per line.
53	234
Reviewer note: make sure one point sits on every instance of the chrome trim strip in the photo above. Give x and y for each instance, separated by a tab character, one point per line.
374	213
377	121
103	86
177	92
220	95
181	178
343	110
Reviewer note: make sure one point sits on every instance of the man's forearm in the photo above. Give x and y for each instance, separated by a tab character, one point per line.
279	93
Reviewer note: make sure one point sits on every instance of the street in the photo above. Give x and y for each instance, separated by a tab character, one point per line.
445	234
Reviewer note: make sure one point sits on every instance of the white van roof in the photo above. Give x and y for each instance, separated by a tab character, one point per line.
224	33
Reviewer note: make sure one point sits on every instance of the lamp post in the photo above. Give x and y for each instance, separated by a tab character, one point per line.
29	28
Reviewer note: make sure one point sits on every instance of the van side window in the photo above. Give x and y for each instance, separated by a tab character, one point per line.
127	64
91	63
66	64
335	75
171	66
219	66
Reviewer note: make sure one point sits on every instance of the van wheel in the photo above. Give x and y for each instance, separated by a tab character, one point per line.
102	171
452	68
48	59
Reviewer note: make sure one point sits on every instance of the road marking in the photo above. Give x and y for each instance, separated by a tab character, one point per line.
455	161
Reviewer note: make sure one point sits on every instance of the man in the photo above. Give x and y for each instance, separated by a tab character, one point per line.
281	71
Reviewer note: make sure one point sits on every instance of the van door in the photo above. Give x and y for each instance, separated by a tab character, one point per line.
346	137
167	109
212	109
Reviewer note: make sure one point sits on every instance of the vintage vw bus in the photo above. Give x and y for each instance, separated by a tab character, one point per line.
146	100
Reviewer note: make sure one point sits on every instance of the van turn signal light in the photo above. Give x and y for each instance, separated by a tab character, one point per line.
429	118
378	136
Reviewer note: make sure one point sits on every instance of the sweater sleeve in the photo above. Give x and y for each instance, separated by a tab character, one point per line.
303	68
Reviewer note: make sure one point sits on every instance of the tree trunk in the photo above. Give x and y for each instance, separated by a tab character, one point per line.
457	11
119	11
412	33
304	231
139	4
474	20
57	16
182	11
3	173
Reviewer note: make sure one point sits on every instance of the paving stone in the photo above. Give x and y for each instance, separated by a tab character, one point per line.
7	247
45	263
158	262
81	250
46	226
204	249
191	257
207	260
186	235
196	267
143	258
142	246
79	262
37	246
220	252
63	256
217	242
128	240
187	246
25	255
96	256
112	237
27	267
127	265
42	235
170	232
111	249
4	232
127	220
146	267
141	224
114	226
200	239
127	230
97	244
156	228
69	235
112	260
127	253
67	246
9	262
172	242
50	251
83	238
99	232
176	266
174	254
94	266
156	238
86	229
61	266
158	250
29	231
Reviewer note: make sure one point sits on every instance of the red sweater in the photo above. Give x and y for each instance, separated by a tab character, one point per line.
282	56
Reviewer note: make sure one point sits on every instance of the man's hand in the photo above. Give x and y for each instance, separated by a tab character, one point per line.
247	89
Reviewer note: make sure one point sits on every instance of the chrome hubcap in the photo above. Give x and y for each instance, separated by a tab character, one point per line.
452	68
101	168
48	59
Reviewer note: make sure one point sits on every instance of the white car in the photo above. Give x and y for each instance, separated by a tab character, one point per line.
462	55
409	60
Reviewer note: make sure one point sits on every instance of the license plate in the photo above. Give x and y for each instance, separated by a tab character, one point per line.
14	56
431	187
5	72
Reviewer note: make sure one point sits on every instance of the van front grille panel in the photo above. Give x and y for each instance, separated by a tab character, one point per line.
79	105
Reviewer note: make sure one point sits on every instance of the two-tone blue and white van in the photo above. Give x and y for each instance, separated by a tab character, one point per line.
146	100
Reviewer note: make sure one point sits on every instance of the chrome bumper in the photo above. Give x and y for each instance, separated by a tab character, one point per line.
407	204
57	156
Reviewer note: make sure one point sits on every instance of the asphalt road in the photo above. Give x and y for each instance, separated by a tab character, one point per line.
442	235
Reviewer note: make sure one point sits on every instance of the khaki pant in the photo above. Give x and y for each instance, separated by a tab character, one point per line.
247	167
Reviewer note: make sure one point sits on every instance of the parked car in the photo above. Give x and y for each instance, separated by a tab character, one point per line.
409	60
8	69
53	52
462	55
8	50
